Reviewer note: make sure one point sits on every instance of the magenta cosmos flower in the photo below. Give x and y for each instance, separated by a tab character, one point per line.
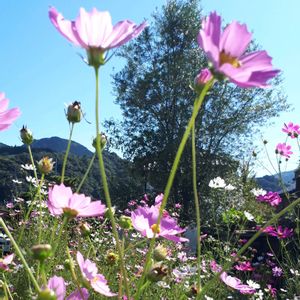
7	116
226	51
89	272
236	284
244	266
94	31
144	220
62	201
293	130
279	232
284	150
272	198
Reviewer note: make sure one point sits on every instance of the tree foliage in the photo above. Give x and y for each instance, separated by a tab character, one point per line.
153	91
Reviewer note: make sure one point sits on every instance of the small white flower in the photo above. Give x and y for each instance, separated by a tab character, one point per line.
230	187
217	182
248	216
28	167
259	295
16	181
295	272
258	192
30	179
253	284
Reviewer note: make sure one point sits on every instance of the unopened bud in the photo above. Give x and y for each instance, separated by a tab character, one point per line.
45	165
46	294
125	222
112	258
26	135
160	253
103	141
41	252
74	113
201	79
265	142
106	214
157	272
85	229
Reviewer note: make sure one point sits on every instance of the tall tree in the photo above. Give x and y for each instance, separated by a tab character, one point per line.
153	91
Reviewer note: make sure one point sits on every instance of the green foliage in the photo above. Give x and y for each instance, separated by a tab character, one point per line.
153	91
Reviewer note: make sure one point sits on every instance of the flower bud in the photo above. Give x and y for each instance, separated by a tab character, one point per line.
106	214
103	140
125	222
46	294
26	135
45	165
157	272
112	257
74	114
85	229
160	253
41	252
201	79
67	264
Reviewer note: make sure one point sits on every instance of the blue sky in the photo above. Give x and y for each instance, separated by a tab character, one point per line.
40	70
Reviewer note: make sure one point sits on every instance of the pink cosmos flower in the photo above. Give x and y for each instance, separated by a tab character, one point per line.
284	150
236	284
58	286
7	116
144	220
97	281
279	232
7	260
158	199
62	201
94	30
272	198
226	51
244	266
293	130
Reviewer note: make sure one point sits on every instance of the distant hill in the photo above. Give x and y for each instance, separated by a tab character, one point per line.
124	184
271	182
59	145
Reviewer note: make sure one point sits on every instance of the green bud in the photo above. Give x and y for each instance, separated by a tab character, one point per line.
112	257
157	272
85	229
26	135
125	222
41	252
74	113
67	264
160	253
103	141
47	294
106	214
45	165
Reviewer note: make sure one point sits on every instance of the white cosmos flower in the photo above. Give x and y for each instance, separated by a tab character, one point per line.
217	182
248	216
258	192
230	187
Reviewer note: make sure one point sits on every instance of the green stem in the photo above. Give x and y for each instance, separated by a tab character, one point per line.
40	210
106	190
229	264
32	162
66	154
38	193
197	106
65	221
19	253
197	206
86	173
72	270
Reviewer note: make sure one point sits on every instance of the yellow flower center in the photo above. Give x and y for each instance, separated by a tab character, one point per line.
155	228
228	59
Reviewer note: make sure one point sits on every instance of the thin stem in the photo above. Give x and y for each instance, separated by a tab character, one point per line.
19	253
197	106
229	264
38	193
66	154
40	209
197	206
106	189
65	221
32	162
86	173
6	289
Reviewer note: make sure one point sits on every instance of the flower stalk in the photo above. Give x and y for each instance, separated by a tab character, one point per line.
66	154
